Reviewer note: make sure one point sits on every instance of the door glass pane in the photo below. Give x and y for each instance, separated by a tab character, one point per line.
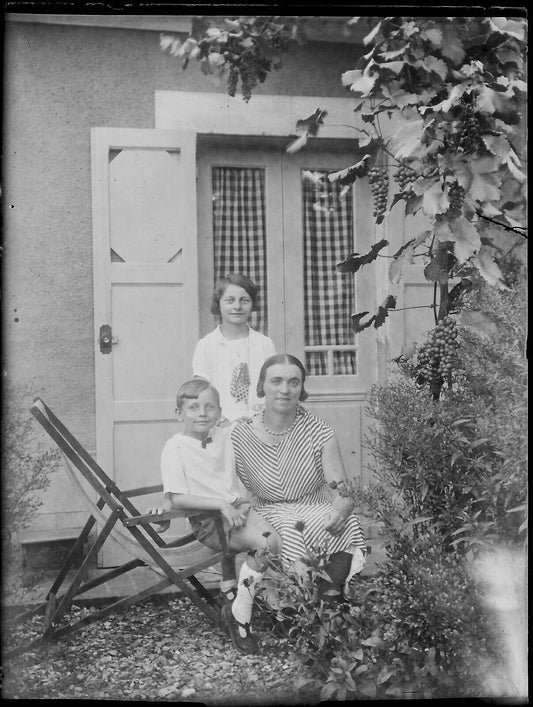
329	295
239	226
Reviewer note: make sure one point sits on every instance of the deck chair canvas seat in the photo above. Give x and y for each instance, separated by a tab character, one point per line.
116	519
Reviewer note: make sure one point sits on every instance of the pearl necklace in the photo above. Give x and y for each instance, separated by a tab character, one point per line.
277	434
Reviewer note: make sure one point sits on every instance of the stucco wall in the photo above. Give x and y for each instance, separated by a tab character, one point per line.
59	81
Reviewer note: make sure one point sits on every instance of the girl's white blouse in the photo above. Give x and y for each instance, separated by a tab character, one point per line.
215	358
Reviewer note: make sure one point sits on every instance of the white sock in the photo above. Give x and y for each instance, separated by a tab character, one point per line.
229	588
358	561
246	589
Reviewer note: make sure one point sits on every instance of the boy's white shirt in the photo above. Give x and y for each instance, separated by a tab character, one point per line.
188	468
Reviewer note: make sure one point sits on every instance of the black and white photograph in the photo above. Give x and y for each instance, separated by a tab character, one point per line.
264	375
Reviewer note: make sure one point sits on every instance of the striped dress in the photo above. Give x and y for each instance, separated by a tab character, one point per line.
287	485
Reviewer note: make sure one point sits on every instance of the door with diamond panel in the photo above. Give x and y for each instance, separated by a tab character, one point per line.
145	284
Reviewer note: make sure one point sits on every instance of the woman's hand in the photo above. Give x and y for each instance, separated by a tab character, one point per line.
234	516
163	525
336	520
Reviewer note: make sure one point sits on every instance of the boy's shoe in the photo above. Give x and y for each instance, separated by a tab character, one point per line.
227	597
246	644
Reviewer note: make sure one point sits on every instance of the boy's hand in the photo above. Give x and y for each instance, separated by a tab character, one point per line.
234	516
163	525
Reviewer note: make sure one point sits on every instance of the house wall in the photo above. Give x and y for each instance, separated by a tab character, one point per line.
59	81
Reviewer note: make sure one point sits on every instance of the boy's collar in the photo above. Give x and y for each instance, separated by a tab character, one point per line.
205	441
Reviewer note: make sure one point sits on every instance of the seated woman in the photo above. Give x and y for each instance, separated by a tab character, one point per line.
290	462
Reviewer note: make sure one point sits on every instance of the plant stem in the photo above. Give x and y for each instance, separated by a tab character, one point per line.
418	306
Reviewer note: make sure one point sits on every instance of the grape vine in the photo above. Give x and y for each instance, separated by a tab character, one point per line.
379	187
437	356
456	197
404	175
470	140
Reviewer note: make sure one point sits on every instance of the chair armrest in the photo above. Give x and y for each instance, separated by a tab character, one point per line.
168	515
143	491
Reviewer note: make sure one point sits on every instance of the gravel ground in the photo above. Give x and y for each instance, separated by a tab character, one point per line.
160	650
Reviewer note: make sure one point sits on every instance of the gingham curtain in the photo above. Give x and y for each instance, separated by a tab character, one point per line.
239	230
329	295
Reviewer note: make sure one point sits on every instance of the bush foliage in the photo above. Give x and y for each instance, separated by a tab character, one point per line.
451	485
459	464
26	469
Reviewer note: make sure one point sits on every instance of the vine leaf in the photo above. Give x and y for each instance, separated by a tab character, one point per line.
407	352
456	293
350	174
383	310
358	324
403	257
312	123
462	233
399	196
407	138
355	261
412	205
438	269
488	268
358	81
297	144
308	127
435	200
363	320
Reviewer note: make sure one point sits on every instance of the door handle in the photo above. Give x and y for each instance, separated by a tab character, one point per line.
106	339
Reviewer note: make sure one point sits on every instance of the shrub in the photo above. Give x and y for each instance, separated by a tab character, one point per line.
451	482
419	627
460	463
26	468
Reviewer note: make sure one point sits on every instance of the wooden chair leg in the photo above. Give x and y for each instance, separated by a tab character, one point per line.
66	599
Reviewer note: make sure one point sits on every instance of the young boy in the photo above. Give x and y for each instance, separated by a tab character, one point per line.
197	474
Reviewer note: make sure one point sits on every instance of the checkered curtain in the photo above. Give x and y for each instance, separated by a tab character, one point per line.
329	295
239	230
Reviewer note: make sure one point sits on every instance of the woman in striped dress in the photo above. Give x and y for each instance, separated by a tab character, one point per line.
290	462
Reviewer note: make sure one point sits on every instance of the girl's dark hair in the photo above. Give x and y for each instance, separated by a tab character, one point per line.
272	361
190	390
233	279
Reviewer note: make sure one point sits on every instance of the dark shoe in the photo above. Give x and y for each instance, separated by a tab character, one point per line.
246	644
227	597
331	594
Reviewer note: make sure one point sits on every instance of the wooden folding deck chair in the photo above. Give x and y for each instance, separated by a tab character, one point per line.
118	520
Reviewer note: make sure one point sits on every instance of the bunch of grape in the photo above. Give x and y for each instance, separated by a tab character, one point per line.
254	69
233	79
469	135
404	175
438	354
379	186
456	196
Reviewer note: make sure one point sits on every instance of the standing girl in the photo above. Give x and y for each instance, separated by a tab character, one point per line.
231	356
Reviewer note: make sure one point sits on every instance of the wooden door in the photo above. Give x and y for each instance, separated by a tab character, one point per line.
145	296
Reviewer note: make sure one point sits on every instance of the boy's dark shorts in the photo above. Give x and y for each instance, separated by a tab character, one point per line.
205	528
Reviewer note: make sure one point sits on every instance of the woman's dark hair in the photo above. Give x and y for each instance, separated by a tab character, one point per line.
238	280
272	361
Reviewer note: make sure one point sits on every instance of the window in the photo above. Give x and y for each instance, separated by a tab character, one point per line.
327	220
239	226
